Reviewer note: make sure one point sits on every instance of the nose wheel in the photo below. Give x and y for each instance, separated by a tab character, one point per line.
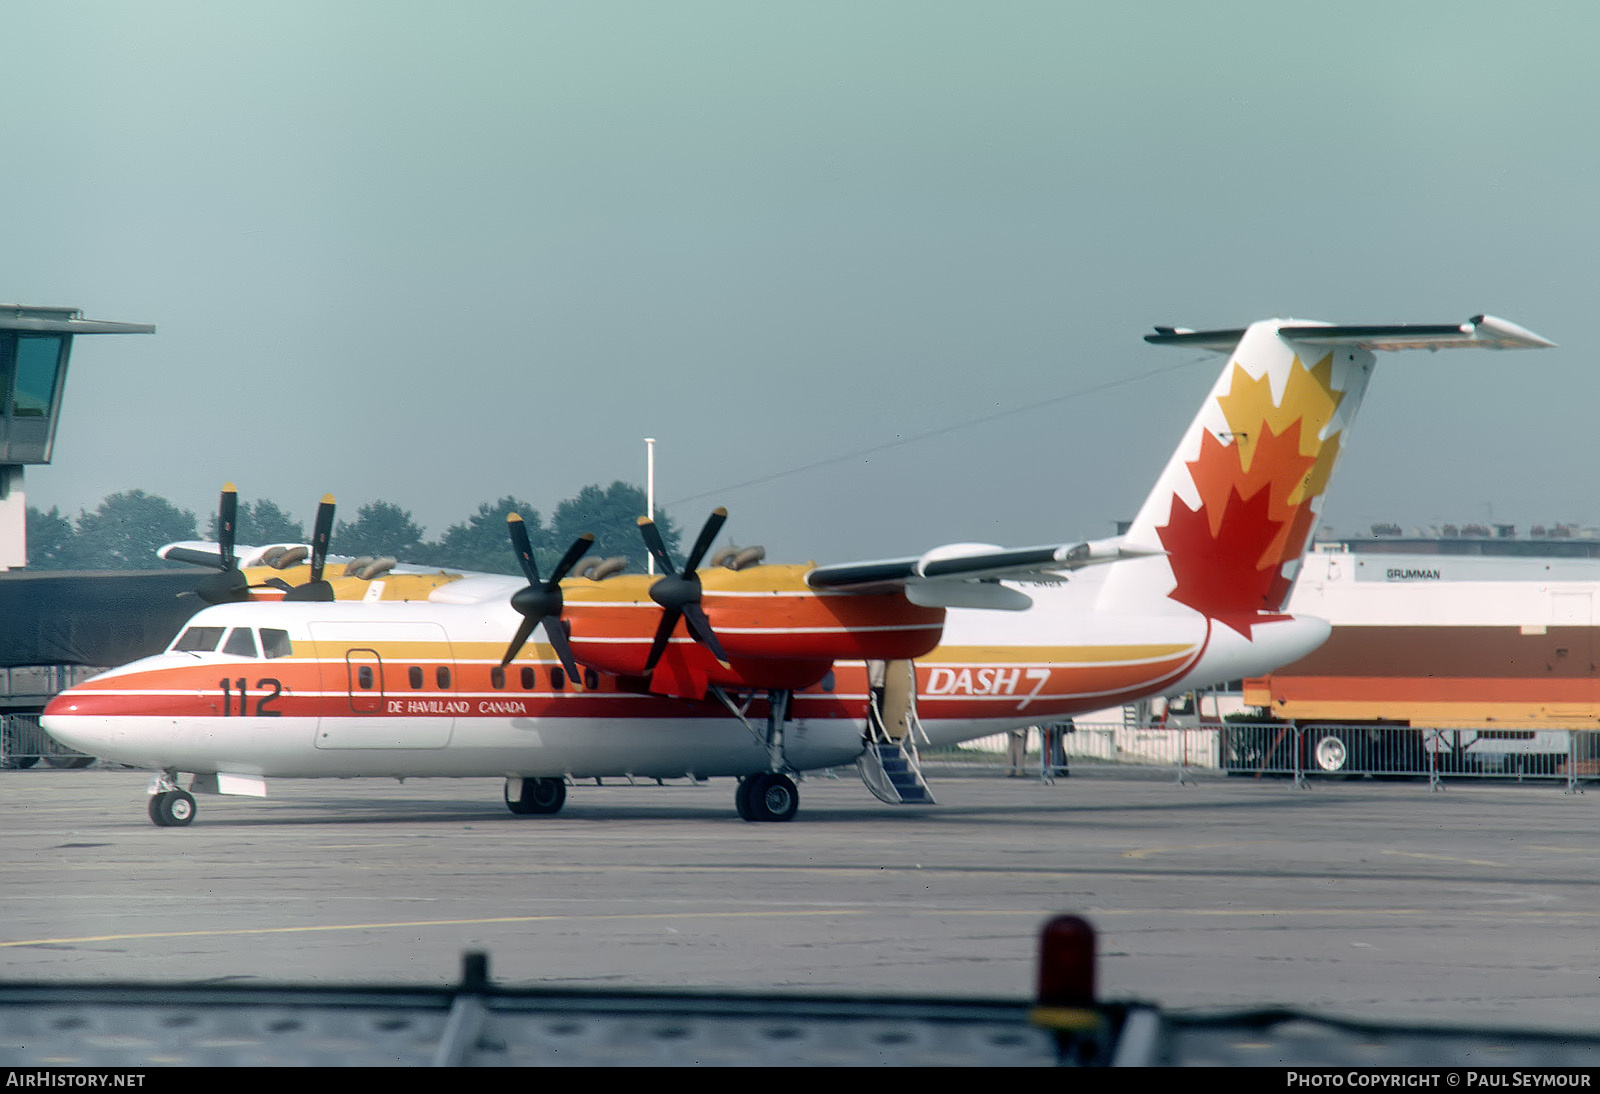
172	808
767	797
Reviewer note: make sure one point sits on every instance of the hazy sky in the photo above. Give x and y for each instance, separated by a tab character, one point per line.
435	253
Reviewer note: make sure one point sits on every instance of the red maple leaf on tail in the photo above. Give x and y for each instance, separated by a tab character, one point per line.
1220	576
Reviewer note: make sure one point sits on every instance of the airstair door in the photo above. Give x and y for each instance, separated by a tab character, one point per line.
897	697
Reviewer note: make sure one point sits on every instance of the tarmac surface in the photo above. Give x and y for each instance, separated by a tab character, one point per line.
1374	900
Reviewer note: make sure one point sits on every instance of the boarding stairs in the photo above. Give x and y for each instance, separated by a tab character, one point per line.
890	765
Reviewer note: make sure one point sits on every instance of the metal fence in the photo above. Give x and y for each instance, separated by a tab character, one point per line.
1299	752
1568	756
24	743
1303	752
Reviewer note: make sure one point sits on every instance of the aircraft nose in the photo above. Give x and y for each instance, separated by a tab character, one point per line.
63	720
64	703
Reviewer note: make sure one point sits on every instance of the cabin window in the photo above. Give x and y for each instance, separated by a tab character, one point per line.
527	678
241	642
364	676
414	675
497	677
275	643
198	640
442	675
591	680
558	679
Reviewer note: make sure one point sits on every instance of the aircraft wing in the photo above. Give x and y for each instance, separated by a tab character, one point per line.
968	575
204	553
208	554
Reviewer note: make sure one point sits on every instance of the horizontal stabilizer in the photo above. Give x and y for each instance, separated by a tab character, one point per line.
1483	331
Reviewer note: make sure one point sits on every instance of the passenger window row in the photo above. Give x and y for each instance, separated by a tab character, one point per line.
527	678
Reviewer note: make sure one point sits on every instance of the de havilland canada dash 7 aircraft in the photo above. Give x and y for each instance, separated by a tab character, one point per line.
759	672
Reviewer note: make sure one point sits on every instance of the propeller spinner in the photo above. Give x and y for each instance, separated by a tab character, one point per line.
541	601
679	591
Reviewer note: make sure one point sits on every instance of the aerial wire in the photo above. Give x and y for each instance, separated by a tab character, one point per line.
941	431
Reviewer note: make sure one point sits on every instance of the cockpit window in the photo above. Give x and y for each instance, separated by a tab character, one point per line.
241	642
275	643
198	640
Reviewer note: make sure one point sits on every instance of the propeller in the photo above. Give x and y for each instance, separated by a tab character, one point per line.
317	589
230	586
541	601
679	591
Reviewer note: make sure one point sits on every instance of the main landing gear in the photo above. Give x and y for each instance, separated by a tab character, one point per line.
767	796
529	797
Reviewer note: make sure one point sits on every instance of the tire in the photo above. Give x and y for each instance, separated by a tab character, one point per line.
1330	753
173	809
540	797
741	796
771	797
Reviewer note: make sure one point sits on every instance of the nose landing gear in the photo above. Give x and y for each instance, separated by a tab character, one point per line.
172	808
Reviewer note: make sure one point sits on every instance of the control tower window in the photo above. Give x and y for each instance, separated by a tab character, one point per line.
38	362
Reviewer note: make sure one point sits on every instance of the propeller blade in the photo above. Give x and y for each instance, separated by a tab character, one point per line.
678	592
713	525
319	540
524	629
541	602
227	523
653	543
228	585
579	548
669	620
557	634
519	542
700	627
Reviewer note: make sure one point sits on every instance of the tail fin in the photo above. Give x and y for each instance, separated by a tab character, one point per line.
1237	504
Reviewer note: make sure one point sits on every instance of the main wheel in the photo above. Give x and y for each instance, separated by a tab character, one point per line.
539	797
741	796
173	809
770	797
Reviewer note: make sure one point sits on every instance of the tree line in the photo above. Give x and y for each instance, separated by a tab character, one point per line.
125	530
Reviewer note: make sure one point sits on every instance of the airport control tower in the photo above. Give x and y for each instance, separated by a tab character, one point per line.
35	343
